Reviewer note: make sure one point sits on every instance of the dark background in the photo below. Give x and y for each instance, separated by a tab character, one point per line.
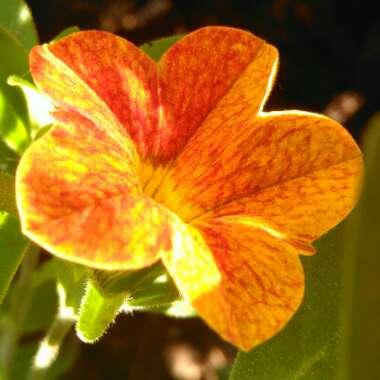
329	62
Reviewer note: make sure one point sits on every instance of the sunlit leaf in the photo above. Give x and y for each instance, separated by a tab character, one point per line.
308	347
361	342
13	60
13	246
12	128
155	49
97	313
16	18
39	105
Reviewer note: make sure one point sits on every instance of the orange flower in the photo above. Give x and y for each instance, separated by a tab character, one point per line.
177	161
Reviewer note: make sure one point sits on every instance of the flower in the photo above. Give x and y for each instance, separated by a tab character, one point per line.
177	161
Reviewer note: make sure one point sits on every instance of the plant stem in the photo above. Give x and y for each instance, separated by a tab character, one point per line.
49	347
19	306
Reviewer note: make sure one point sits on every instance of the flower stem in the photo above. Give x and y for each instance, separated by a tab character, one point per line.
49	347
18	309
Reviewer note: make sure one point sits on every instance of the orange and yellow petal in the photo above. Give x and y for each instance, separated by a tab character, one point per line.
260	283
211	65
295	172
78	196
102	75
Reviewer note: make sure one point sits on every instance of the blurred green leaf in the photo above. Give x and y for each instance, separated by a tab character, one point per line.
43	308
308	347
97	312
16	18
63	363
361	318
7	193
70	280
13	246
65	32
8	160
155	49
13	61
38	105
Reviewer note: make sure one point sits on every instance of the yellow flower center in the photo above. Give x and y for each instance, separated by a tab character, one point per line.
156	183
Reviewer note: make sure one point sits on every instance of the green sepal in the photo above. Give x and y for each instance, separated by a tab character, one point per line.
127	281
97	312
150	289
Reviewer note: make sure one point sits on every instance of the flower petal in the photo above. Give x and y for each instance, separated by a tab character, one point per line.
97	74
211	65
295	172
261	282
161	108
79	197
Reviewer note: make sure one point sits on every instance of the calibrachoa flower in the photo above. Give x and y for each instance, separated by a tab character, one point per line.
177	161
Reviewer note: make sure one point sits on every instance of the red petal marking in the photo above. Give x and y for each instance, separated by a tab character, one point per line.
261	283
201	69
122	76
70	92
162	108
296	172
79	197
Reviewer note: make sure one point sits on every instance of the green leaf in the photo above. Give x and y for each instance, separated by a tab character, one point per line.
361	342
13	60
308	347
155	49
97	312
13	246
65	32
16	18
